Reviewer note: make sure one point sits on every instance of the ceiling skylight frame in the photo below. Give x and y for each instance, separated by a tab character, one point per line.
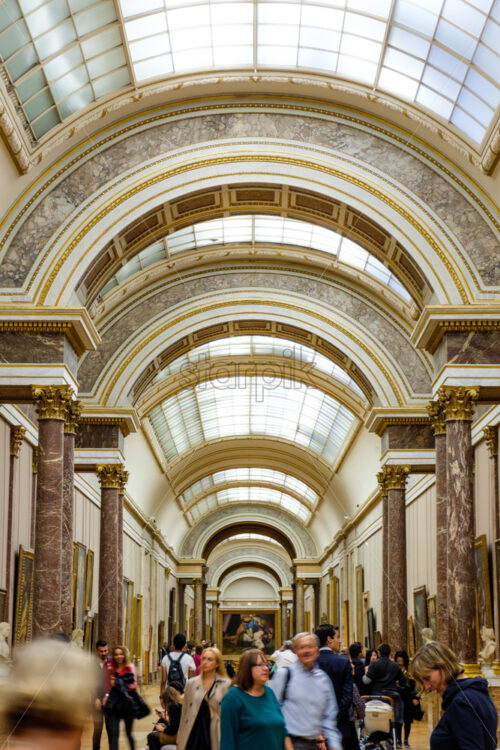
248	494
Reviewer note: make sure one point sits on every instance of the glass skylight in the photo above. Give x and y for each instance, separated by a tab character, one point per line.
248	495
252	538
248	406
299	356
260	229
61	55
248	476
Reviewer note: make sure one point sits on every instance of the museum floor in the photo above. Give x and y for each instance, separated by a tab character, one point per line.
419	734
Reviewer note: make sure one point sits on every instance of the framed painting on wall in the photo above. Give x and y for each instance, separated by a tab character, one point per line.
484	612
3	601
431	614
23	620
411	638
87	633
89	580
79	578
240	630
128	597
335	601
347	635
359	586
370	627
420	613
137	626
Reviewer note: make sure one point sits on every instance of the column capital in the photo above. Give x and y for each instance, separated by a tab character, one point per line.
17	434
436	414
382	483
491	436
300	581
123	479
51	400
72	416
458	401
395	476
110	475
198	581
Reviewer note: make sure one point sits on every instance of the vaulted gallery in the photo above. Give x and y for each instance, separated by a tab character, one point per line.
249	320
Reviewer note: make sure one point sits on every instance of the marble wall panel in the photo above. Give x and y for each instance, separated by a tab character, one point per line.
408	436
472	347
365	316
43	348
98	436
97	168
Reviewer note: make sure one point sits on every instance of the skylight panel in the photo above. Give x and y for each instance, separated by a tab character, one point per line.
145	26
432	100
417	18
456	39
466	123
463	15
398	83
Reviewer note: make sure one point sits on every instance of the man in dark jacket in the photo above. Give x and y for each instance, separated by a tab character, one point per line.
384	677
339	670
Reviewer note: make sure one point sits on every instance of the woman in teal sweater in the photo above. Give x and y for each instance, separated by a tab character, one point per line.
250	713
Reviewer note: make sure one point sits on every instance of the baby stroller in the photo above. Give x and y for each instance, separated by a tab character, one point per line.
378	731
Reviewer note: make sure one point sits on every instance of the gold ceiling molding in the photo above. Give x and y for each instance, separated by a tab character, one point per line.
74	322
163	175
118	370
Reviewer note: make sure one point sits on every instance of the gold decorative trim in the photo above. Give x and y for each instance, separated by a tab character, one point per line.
109	421
491	437
471	670
123	479
17	434
34	466
73	413
457	402
394	477
52	400
45	326
382	482
110	475
437	417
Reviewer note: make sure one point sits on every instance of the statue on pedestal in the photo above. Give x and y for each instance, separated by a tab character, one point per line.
487	653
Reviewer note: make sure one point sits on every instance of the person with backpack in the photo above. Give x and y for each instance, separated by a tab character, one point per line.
177	666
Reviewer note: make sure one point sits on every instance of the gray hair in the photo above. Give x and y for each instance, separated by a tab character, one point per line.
287	645
297	638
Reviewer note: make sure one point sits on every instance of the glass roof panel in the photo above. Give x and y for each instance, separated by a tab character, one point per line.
251	537
249	406
251	495
355	39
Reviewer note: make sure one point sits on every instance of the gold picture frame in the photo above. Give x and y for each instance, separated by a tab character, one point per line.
335	602
419	613
89	580
137	626
359	586
347	637
128	597
79	577
483	588
240	629
431	614
87	633
411	638
23	621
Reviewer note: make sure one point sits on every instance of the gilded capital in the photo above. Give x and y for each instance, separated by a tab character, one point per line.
382	482
110	475
395	476
198	581
17	434
51	400
300	581
73	413
124	475
436	415
458	401
491	437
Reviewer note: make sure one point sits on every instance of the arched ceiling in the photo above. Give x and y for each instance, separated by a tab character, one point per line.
258	529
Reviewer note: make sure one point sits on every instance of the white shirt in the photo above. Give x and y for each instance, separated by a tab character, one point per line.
285	658
187	662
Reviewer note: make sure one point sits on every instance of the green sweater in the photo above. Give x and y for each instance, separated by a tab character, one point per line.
249	722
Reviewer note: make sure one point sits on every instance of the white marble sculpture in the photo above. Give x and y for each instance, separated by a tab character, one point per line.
487	653
77	637
4	645
427	635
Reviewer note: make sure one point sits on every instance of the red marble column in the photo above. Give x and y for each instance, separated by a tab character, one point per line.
17	434
52	402
491	436
385	555
436	414
198	610
110	478
72	414
397	623
119	566
457	403
33	496
299	605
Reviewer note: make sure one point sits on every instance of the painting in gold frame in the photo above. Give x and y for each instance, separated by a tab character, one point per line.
128	596
411	638
359	586
347	635
335	614
431	614
419	613
238	630
484	611
23	621
79	576
87	633
137	627
89	580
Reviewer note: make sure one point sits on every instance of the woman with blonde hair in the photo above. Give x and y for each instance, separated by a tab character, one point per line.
120	705
199	727
469	720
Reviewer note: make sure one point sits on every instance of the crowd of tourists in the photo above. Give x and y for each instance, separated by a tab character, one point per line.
309	694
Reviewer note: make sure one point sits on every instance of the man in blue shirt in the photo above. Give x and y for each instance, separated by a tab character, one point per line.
307	698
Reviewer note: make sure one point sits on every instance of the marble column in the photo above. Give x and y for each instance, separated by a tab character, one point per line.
110	479
491	437
34	483
123	479
198	610
436	414
385	555
458	403
299	605
17	434
397	604
52	403
72	414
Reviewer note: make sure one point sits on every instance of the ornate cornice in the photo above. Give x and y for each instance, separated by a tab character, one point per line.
52	400
395	477
457	402
74	322
437	320
17	434
72	417
110	475
436	415
491	437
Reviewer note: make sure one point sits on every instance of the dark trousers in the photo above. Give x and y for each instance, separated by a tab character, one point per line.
98	718
156	740
113	729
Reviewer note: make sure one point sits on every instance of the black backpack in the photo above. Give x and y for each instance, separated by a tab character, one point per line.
175	671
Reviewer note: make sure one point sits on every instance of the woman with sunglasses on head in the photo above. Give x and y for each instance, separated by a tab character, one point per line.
250	714
469	720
